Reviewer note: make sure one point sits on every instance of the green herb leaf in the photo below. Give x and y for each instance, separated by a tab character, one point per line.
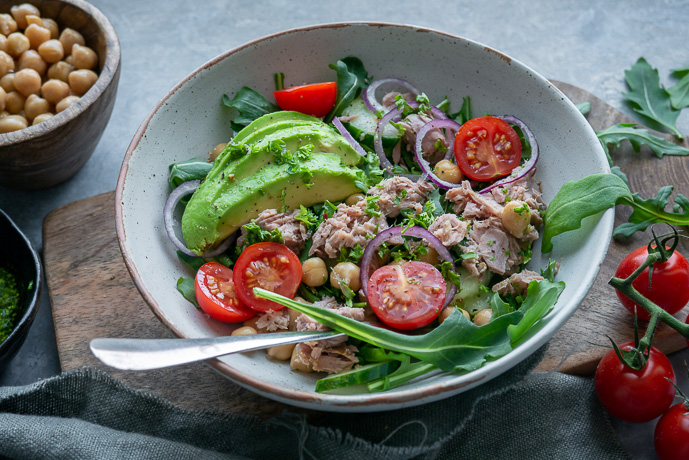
248	105
652	210
679	94
584	108
541	296
351	79
577	200
256	234
187	288
183	171
464	113
637	137
650	99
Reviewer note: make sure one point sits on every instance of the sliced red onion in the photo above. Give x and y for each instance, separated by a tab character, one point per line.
184	189
369	95
415	231
418	152
348	137
528	166
378	137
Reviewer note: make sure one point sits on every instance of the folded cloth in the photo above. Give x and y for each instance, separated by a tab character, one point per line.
87	414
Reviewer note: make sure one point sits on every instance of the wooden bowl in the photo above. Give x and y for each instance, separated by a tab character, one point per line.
51	152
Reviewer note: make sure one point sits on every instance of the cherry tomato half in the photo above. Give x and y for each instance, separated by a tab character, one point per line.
635	395
671	438
271	266
669	284
407	296
216	295
317	99
487	148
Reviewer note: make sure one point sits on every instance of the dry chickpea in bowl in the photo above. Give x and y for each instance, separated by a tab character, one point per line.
44	68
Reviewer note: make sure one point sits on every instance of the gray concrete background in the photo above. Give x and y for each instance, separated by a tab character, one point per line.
587	43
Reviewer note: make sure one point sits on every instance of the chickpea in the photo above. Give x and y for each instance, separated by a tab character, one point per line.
6	64
42	117
3	43
60	71
65	103
33	19
30	59
281	352
7	81
3	99
34	106
448	311
7	24
27	81
14	103
354	199
20	12
244	330
12	123
37	35
347	272
516	217
293	315
17	43
51	51
297	364
52	26
448	171
54	91
83	57
483	317
313	272
213	154
69	37
68	59
82	80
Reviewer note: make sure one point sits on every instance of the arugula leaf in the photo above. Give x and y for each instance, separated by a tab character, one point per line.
541	296
186	287
464	113
652	210
579	199
649	99
351	79
248	106
584	108
456	345
404	373
638	137
679	94
183	171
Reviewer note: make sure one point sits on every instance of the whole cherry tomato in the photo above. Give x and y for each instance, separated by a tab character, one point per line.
671	439
669	283
635	395
316	99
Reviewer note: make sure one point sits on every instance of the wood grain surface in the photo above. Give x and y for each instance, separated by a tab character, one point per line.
92	294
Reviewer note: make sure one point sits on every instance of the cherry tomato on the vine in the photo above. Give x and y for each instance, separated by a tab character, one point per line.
671	438
407	296
316	99
271	266
487	148
216	295
669	283
635	395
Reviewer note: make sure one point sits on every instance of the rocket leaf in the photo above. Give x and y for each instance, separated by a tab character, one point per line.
650	99
638	137
679	94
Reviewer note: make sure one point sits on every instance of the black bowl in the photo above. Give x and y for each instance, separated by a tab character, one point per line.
17	256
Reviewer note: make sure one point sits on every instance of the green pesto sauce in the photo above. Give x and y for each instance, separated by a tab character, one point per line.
10	302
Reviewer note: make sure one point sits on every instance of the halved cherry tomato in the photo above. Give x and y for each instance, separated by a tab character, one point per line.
316	99
271	266
216	295
407	296
669	283
487	148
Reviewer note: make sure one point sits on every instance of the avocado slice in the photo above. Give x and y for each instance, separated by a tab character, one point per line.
214	213
269	123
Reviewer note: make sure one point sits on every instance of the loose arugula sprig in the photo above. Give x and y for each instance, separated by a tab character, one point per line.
637	137
679	94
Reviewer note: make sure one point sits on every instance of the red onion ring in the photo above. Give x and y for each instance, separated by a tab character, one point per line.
348	137
415	231
418	152
378	137
528	166
184	189
369	95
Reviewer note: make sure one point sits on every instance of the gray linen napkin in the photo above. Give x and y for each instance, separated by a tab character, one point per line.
86	414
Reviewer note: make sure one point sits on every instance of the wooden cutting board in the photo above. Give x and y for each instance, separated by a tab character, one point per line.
92	294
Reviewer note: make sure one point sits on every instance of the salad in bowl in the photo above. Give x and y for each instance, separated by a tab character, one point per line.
405	215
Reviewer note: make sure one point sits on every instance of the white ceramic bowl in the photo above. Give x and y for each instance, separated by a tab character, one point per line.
190	120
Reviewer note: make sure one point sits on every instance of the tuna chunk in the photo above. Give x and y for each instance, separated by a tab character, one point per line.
350	225
517	284
272	321
293	231
397	193
306	323
526	190
449	229
473	205
331	360
494	248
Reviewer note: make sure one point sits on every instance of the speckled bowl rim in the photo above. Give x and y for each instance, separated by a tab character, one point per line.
105	79
372	401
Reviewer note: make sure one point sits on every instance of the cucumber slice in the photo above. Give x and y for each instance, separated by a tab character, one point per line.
363	127
363	374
